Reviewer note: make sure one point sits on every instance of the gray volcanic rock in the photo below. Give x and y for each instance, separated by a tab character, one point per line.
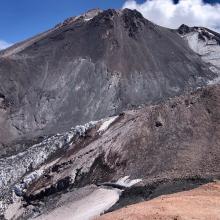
90	67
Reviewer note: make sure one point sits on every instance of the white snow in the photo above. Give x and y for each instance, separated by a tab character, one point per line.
81	129
105	125
87	19
87	208
89	15
90	206
208	48
125	181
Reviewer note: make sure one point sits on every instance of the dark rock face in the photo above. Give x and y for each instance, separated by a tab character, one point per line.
91	67
184	29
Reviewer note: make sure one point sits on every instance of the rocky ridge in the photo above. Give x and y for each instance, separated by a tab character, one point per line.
156	144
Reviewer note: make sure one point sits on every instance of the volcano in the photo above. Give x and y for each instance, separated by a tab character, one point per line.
90	67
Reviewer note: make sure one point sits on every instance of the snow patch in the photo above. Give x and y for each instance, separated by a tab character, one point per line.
91	206
126	182
105	125
87	208
87	19
89	15
207	48
81	129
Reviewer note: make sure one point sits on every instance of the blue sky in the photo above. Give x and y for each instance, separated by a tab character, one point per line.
21	19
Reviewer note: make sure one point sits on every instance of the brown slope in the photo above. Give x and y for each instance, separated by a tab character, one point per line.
202	203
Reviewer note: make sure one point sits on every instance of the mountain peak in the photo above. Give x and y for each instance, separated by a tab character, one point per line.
133	13
183	29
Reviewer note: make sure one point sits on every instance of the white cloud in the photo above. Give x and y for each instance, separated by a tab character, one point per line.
4	44
168	14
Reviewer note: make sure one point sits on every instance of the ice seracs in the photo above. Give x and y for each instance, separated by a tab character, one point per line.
13	168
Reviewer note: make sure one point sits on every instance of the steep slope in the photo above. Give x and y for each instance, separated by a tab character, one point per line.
89	67
176	140
201	203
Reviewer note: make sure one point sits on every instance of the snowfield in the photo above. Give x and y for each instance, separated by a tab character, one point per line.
106	124
208	48
92	205
87	208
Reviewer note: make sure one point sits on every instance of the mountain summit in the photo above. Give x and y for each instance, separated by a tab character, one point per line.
90	67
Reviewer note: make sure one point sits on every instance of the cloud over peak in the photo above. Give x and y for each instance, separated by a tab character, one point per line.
190	12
